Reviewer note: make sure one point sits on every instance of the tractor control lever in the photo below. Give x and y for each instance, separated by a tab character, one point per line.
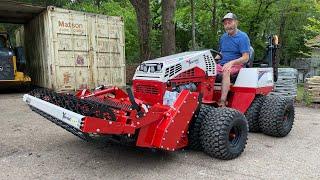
134	103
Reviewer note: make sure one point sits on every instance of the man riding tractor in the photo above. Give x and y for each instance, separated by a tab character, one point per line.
235	48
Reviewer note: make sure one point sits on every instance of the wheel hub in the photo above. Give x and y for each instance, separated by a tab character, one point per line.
234	136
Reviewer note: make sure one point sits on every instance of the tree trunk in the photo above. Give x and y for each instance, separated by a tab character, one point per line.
168	27
214	24
142	9
193	46
282	38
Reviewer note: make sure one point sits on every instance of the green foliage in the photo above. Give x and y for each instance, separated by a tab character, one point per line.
303	96
115	8
156	33
295	21
258	18
313	26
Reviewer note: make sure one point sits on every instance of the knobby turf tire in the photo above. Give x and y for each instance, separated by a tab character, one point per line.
194	128
253	112
215	133
276	116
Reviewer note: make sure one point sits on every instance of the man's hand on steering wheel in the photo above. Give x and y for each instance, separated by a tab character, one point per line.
218	56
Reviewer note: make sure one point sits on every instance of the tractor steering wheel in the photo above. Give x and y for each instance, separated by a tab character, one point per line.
215	52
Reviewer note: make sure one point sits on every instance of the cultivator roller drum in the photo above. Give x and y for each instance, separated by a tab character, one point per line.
82	107
71	129
85	107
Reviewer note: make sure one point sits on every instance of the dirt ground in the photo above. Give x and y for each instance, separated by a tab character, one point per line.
34	148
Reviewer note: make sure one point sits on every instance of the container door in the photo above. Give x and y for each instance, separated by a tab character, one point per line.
73	65
88	50
110	60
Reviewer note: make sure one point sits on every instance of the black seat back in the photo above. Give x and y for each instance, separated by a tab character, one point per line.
249	64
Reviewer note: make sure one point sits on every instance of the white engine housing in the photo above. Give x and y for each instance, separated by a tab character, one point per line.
173	65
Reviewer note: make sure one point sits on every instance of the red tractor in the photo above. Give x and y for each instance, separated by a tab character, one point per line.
174	105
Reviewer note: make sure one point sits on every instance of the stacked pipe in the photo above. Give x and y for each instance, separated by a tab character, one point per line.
287	83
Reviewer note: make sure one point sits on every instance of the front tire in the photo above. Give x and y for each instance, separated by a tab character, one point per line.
194	129
277	116
253	112
223	133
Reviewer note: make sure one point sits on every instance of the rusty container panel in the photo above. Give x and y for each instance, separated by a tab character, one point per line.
36	45
110	64
19	35
77	50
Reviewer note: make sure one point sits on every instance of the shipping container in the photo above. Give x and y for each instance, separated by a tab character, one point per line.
69	50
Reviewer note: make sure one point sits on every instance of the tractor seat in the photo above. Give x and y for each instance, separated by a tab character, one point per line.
233	77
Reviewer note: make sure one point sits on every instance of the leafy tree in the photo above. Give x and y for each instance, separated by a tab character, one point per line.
295	21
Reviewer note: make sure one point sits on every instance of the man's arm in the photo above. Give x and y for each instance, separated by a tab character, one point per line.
243	59
217	57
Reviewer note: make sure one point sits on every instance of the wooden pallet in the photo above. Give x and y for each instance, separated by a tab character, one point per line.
315	99
314	79
312	86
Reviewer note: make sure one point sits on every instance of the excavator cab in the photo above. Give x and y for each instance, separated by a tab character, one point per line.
11	67
2	42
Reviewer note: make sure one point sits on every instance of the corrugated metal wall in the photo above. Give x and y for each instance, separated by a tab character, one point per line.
36	48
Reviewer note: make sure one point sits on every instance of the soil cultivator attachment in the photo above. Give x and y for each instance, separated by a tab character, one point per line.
174	105
113	112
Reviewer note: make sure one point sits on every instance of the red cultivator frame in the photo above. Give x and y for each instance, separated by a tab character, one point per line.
159	127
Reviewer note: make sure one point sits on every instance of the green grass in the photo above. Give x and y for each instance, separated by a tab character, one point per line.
303	96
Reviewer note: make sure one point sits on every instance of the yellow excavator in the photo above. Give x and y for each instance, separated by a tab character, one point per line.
12	64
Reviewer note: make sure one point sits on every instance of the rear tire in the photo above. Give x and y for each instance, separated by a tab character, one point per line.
277	116
194	129
253	113
223	133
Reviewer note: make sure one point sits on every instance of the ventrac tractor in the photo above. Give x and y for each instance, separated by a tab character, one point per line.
173	105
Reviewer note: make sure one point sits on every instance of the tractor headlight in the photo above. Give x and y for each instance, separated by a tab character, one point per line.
152	69
145	68
141	67
159	67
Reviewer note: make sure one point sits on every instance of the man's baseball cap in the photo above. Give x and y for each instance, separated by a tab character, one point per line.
229	16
